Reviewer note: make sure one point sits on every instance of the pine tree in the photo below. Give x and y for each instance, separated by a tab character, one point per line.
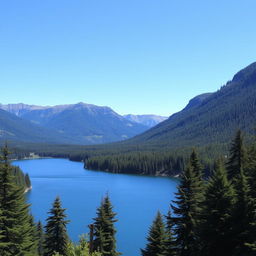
195	164
56	238
199	188
33	233
217	233
104	230
237	158
244	217
156	245
187	208
40	239
15	221
251	172
170	249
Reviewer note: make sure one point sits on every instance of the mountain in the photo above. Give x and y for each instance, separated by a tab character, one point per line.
20	108
81	123
209	118
13	128
147	120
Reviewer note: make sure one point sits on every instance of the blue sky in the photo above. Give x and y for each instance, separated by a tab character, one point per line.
136	56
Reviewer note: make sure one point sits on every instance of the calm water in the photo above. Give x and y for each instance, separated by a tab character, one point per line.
136	199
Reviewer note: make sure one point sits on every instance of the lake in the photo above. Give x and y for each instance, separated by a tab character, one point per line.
136	199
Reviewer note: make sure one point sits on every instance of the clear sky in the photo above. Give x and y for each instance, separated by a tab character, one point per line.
136	56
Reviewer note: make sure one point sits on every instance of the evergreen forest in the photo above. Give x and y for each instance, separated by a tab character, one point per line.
211	215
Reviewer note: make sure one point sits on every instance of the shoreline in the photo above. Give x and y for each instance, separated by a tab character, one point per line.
34	157
27	189
31	158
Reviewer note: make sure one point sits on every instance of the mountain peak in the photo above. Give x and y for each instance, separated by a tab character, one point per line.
248	72
196	101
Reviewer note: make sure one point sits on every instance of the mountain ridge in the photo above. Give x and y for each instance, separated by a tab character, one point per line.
79	123
209	118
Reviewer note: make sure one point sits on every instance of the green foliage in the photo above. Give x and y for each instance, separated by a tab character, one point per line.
187	208
104	230
148	163
157	237
56	238
244	216
20	179
16	225
80	249
216	233
237	158
170	245
40	239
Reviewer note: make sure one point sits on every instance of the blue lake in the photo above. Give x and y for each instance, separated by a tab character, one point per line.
136	199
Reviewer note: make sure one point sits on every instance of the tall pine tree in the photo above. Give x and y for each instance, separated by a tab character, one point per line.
187	208
237	157
104	230
56	238
16	229
156	245
195	164
216	230
244	218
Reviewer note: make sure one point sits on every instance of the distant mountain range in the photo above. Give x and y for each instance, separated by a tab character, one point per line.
13	128
209	118
147	120
69	124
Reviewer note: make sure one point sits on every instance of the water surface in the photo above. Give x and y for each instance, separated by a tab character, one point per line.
136	199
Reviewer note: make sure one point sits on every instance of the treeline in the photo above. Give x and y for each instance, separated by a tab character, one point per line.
118	154
148	163
211	217
21	179
165	163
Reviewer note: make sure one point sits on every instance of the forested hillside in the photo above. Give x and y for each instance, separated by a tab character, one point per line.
209	118
208	123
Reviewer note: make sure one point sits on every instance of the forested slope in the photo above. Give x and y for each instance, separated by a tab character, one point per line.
209	118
